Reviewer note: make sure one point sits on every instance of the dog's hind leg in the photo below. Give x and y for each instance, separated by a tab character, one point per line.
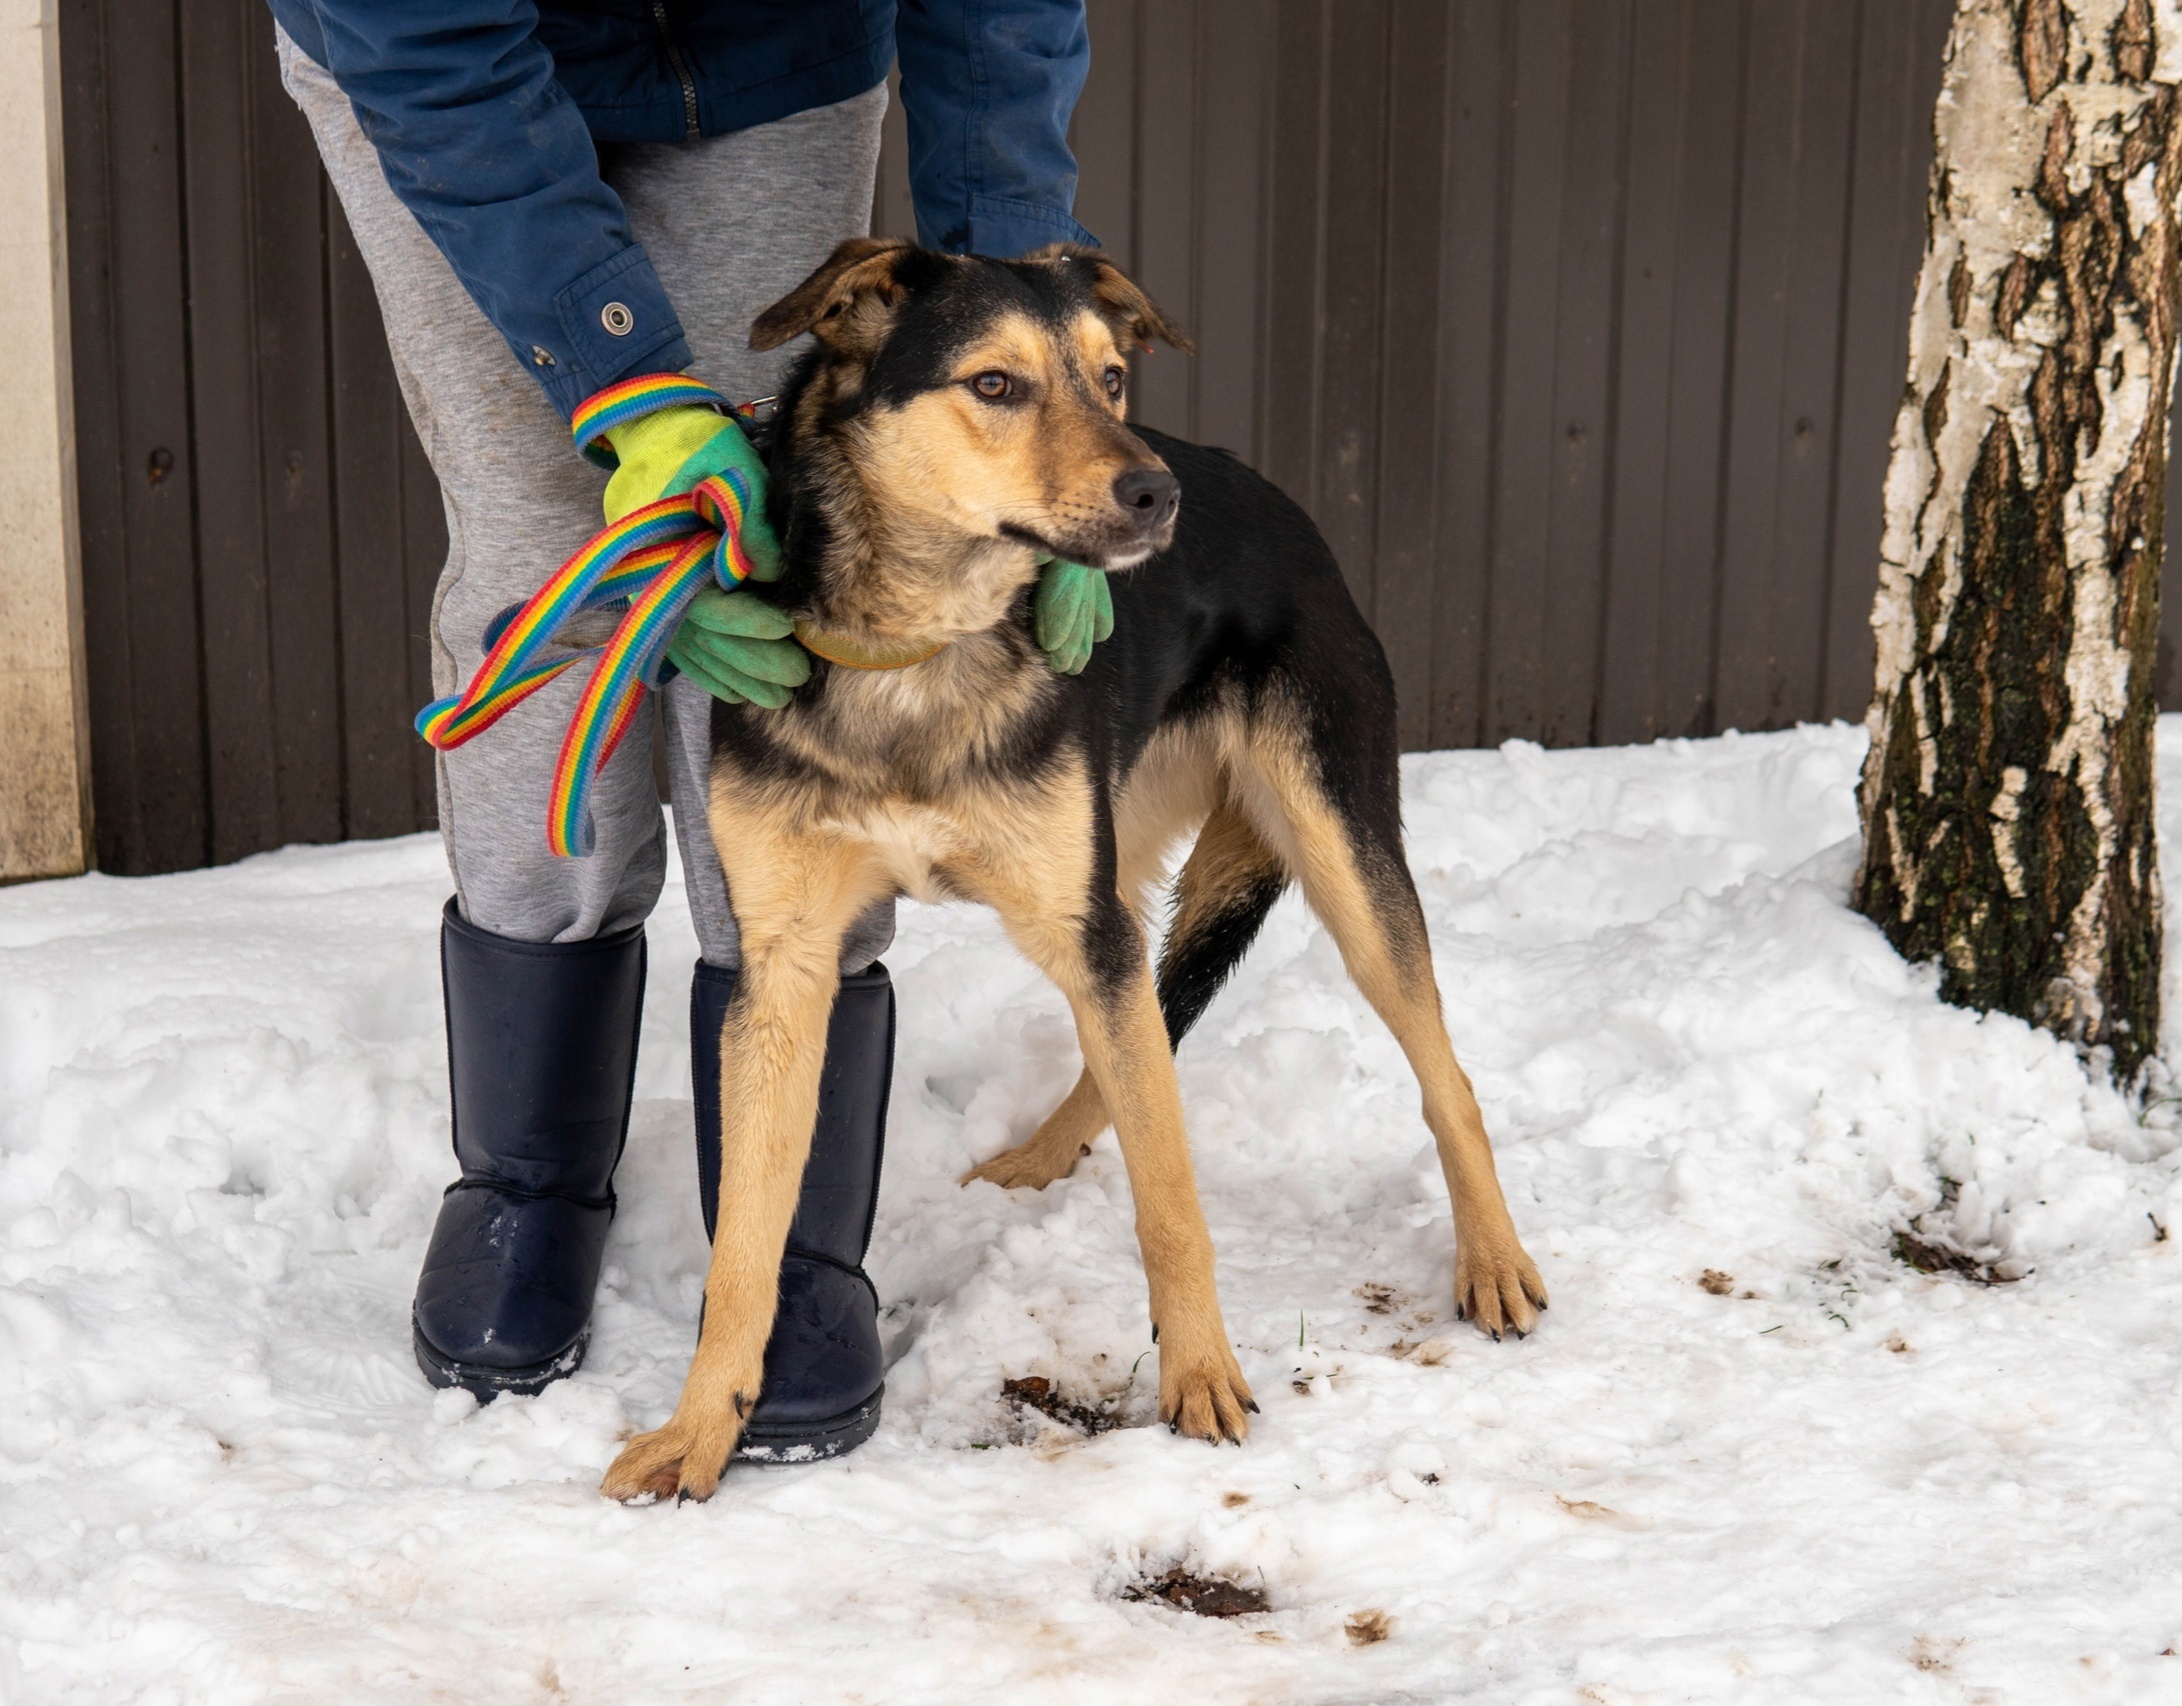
1345	845
1063	1138
795	896
1221	897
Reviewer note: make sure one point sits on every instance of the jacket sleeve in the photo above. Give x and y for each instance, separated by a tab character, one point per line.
483	145
988	87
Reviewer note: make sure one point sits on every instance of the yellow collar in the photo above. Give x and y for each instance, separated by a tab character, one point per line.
851	654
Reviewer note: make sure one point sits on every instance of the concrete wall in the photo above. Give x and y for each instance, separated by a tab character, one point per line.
44	753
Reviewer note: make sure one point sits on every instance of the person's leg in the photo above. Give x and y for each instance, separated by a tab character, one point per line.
542	958
733	224
519	500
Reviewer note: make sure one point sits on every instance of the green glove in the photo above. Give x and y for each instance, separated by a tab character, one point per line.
664	454
1075	611
739	650
734	647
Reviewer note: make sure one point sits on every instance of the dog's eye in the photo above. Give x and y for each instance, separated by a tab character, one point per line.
1116	378
993	386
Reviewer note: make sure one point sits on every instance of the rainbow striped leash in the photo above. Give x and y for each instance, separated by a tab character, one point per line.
649	565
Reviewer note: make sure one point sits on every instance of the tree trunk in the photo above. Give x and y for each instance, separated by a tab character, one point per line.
2007	797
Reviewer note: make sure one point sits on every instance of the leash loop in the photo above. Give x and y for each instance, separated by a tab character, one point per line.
648	566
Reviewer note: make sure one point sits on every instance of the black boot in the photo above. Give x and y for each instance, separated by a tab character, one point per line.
541	1056
824	1375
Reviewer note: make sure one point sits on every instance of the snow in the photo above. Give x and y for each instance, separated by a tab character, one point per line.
222	1142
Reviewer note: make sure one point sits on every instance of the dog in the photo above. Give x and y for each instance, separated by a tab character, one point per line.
959	421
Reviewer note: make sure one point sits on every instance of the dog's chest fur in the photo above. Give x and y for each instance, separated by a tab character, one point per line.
943	772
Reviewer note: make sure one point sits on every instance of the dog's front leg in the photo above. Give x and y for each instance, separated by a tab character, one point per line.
794	904
1100	963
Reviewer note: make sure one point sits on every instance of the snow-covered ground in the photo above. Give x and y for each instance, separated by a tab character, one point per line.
1825	1477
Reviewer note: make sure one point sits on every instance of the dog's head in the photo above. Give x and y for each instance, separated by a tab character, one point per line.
985	399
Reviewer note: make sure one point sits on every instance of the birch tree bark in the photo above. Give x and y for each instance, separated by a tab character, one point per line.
2007	797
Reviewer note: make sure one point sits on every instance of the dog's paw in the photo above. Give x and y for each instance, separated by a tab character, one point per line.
1206	1396
1497	1286
683	1460
1034	1163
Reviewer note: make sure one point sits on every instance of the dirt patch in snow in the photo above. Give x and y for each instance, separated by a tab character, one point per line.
1202	1596
1036	1392
1928	1256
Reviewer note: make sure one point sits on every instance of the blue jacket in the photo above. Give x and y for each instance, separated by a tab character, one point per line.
485	114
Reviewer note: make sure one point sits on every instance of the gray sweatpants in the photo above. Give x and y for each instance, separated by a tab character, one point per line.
731	223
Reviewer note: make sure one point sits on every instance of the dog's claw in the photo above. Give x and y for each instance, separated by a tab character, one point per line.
1205	1398
667	1463
1497	1289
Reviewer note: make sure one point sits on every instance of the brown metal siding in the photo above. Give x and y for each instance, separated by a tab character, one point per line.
261	531
1578	324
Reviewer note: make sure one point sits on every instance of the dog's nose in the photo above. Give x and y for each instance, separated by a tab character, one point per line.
1149	495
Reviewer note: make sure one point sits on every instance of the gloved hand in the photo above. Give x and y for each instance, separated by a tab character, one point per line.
664	454
739	650
1075	611
736	648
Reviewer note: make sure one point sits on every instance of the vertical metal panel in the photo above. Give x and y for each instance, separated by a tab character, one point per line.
1787	326
218	204
1658	160
1289	445
1696	424
1234	118
133	454
259	382
1473	229
1352	288
1407	359
1898	47
1162	234
1586	337
1104	128
1519	627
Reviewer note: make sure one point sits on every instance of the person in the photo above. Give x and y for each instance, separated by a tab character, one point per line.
558	200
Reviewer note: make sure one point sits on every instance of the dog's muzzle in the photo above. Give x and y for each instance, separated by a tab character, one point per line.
1148	497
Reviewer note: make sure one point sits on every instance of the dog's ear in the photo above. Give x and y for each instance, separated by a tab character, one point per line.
835	302
1126	308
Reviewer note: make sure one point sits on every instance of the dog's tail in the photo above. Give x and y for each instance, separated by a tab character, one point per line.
1226	887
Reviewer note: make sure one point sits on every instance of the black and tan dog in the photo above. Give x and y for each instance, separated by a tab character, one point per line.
958	421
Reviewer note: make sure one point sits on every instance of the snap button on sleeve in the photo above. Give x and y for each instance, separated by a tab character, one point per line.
542	356
617	319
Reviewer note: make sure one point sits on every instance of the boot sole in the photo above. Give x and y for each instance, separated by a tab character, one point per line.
834	1437
486	1384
